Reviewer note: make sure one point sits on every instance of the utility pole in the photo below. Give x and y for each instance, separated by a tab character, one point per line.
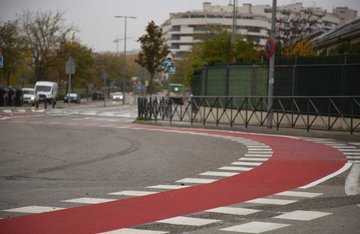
234	24
271	68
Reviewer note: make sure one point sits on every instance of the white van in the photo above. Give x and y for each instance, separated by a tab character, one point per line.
47	92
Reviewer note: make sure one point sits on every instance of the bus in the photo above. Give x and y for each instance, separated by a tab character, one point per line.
176	93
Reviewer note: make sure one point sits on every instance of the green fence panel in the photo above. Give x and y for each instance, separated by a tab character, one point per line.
261	81
318	81
240	81
216	81
283	81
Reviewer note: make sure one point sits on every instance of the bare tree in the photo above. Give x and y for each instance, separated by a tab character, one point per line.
44	33
295	23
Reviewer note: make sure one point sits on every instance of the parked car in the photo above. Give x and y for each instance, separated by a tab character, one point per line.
117	96
74	98
97	96
30	96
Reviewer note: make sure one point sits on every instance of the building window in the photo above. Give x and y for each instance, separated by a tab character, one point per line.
175	28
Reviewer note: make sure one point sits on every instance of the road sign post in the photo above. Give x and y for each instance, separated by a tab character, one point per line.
70	69
104	76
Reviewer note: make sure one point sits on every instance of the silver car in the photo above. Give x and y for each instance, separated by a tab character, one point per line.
30	96
118	96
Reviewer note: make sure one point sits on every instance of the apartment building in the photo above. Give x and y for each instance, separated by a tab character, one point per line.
184	29
345	14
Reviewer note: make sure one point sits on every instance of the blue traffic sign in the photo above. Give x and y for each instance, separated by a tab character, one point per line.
169	67
1	61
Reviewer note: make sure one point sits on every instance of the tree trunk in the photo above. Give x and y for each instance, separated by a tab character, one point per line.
151	85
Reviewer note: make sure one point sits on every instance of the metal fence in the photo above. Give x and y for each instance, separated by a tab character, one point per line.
308	113
298	76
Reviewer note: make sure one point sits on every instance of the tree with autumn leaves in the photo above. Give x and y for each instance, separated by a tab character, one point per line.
153	51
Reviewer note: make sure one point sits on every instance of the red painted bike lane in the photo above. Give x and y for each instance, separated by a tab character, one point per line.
294	163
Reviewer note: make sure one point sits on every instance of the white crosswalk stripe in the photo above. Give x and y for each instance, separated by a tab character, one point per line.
255	227
299	194
254	164
228	168
133	231
233	210
302	215
168	186
218	173
34	209
271	201
253	159
195	181
132	193
89	200
189	221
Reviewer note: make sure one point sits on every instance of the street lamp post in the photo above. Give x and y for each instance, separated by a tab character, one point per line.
271	69
233	29
124	75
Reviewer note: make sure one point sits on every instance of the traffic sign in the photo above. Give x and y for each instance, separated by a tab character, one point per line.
270	47
1	60
170	57
70	66
169	67
169	64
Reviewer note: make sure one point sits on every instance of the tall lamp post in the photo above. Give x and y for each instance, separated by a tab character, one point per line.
233	28
271	68
124	78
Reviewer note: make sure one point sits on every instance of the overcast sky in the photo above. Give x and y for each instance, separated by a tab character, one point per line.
98	27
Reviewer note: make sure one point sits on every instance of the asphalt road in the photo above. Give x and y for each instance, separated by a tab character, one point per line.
46	160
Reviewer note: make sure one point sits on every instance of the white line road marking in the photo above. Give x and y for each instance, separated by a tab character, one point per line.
235	168
353	180
253	159
133	231
302	215
233	210
351	154
255	227
353	157
132	193
195	181
350	150
265	150
299	194
354	143
181	220
343	147
34	209
89	200
218	173
271	201
338	172
170	186
258	155
258	146
247	163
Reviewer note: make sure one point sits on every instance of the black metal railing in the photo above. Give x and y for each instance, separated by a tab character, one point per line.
310	113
